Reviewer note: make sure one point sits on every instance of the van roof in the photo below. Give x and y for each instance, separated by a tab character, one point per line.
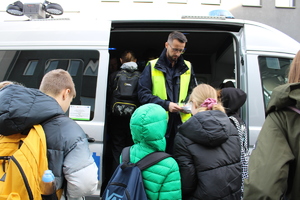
94	34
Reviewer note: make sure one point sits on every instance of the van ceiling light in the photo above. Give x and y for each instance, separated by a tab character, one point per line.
15	9
53	8
224	13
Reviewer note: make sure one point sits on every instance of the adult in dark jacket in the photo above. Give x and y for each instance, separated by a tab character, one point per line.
68	151
207	149
119	127
166	81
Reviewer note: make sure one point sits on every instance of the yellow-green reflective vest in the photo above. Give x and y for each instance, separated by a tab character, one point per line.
159	85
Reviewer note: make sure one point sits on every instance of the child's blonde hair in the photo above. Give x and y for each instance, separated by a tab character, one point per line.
203	92
5	83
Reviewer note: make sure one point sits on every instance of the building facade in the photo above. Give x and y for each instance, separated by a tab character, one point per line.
280	14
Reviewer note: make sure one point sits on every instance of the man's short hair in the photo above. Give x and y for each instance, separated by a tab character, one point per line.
57	80
176	35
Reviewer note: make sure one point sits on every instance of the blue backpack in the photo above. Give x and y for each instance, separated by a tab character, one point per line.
127	181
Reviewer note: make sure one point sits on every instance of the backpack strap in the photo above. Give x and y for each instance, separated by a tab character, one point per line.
236	123
242	132
147	161
125	155
294	109
152	159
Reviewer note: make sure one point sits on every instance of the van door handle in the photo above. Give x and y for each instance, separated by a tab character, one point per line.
90	139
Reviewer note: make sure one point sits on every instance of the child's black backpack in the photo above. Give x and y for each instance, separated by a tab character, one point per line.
127	182
125	98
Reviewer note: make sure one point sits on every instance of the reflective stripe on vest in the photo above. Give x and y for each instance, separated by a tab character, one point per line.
159	85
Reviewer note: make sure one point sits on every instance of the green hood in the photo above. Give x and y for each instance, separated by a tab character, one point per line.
148	126
283	96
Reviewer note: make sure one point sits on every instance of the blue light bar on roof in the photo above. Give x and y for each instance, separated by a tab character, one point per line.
224	13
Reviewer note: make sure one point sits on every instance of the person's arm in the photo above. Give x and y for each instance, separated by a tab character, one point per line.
112	84
193	83
145	90
186	166
80	170
171	187
112	81
269	162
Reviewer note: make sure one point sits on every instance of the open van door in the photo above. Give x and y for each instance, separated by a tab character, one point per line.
212	47
267	55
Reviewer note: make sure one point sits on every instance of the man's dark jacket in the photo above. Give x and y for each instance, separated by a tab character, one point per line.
172	85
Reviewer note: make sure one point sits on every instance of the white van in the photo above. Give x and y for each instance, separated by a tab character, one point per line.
254	56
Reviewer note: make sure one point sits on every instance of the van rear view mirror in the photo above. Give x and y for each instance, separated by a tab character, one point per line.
272	63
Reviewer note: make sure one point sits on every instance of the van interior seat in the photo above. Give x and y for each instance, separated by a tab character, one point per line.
271	82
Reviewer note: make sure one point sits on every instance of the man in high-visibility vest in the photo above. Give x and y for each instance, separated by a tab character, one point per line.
167	81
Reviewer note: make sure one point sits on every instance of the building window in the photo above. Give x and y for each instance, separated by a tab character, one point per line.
143	1
177	1
251	2
285	3
212	2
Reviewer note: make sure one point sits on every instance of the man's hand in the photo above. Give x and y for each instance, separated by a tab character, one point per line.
173	107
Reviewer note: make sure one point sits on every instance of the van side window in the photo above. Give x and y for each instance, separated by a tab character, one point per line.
273	72
29	66
51	65
29	70
89	82
74	67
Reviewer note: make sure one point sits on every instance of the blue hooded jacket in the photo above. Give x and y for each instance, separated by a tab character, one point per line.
68	151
